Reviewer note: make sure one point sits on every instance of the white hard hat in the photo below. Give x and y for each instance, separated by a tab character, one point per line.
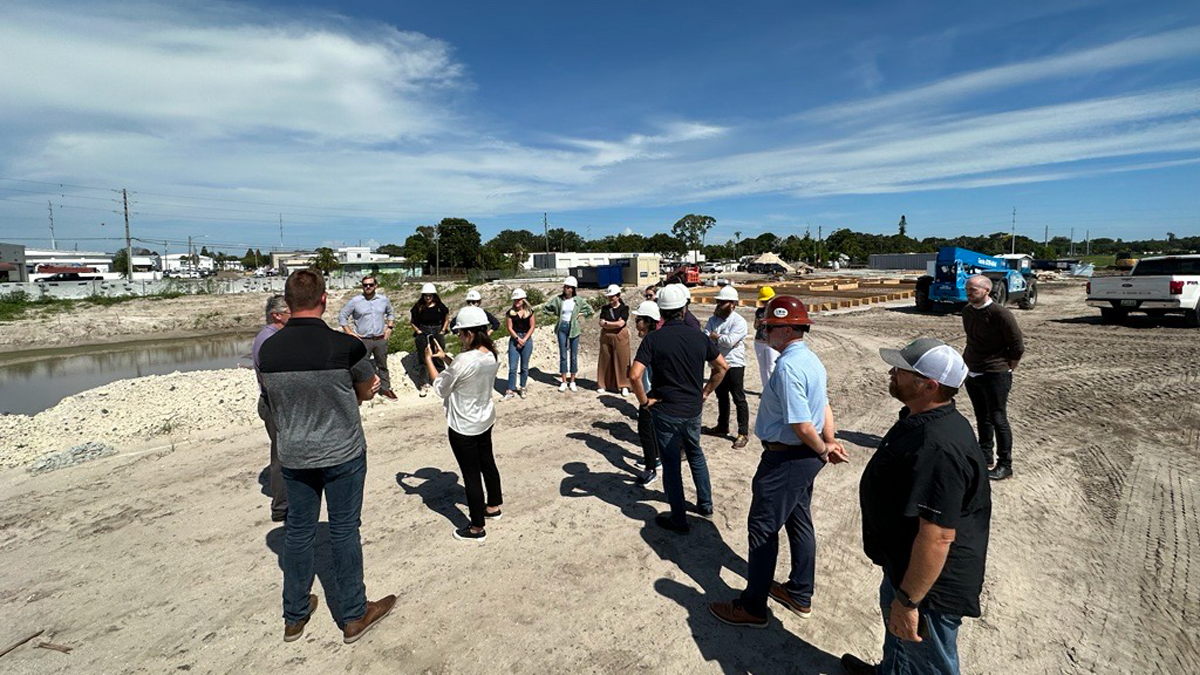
727	292
648	309
672	296
429	288
518	294
473	295
470	317
571	281
612	290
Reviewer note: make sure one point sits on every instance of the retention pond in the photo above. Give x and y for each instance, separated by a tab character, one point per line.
32	381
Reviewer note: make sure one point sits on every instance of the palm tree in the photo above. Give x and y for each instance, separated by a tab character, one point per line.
326	260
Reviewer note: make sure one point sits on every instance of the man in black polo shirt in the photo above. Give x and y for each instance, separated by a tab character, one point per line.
676	354
314	379
926	507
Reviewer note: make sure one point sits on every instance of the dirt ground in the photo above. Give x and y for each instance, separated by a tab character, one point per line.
164	559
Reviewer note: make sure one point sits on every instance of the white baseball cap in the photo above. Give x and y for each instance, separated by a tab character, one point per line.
518	294
612	290
571	281
672	296
473	295
648	309
429	288
929	357
470	317
727	292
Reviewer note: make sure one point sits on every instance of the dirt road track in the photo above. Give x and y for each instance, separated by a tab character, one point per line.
167	561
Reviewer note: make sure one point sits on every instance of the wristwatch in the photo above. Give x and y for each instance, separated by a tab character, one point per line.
904	599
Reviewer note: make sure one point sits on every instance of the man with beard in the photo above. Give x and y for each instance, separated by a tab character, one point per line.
926	510
728	330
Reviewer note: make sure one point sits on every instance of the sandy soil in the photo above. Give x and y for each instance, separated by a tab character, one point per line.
163	558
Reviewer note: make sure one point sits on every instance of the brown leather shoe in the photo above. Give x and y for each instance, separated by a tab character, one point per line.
293	631
740	442
734	614
779	594
376	610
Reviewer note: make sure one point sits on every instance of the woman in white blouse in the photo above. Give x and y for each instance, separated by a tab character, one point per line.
465	388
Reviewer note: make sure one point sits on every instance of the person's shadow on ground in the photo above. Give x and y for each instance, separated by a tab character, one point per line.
439	491
264	480
861	439
620	404
616	455
622	431
322	564
552	379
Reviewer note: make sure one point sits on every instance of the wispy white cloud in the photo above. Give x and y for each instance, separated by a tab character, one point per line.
319	110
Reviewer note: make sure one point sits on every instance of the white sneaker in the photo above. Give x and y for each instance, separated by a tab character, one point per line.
508	396
624	392
424	390
562	387
601	392
573	387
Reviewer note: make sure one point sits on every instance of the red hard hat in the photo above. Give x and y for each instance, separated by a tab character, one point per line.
786	310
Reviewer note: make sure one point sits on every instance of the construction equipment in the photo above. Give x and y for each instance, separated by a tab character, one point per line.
1011	275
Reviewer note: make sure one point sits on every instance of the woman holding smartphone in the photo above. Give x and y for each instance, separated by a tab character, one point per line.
429	317
465	387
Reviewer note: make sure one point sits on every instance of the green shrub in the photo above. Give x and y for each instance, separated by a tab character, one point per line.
534	296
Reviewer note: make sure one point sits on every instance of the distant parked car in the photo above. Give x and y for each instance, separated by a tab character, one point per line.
73	276
710	267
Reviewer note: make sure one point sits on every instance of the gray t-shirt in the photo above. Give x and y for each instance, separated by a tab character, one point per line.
308	374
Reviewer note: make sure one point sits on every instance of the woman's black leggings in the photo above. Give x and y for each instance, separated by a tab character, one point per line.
478	466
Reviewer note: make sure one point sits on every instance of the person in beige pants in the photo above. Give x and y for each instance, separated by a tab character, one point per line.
612	371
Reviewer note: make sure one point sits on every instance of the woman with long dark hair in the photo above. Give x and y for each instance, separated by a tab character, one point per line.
567	307
429	318
465	387
612	368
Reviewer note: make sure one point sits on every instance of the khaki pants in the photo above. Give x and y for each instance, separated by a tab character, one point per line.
613	370
279	502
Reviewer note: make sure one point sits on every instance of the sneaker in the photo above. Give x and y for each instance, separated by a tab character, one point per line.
573	386
424	390
734	614
508	396
856	666
779	594
740	442
1001	472
562	387
601	391
664	521
376	610
521	393
466	534
713	431
624	392
647	478
293	631
492	515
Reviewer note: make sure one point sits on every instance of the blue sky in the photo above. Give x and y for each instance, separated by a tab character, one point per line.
358	121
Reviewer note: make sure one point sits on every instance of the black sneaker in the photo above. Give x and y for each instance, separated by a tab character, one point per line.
466	534
664	521
492	515
713	431
647	478
1001	472
705	513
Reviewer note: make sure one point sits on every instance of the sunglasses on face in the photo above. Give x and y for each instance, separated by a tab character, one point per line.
368	285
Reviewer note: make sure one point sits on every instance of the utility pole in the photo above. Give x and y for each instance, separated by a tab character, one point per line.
1089	241
546	230
1014	231
281	232
1072	241
1046	237
53	243
820	229
128	243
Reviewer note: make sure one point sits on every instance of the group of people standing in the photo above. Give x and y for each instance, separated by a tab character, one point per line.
924	494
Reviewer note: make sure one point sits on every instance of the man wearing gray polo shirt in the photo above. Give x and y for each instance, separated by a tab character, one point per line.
314	379
373	320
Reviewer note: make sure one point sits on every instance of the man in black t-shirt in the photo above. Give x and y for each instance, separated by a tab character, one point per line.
926	507
676	354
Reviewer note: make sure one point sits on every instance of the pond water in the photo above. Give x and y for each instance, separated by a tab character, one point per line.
32	382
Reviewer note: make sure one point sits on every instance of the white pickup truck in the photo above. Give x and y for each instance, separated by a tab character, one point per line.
1157	286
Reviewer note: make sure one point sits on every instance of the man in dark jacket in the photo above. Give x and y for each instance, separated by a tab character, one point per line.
926	507
994	347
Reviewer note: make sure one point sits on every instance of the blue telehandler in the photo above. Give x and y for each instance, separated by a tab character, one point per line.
1012	279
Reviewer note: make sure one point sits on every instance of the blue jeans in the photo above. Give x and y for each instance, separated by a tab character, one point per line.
936	654
676	434
782	494
515	354
567	346
343	486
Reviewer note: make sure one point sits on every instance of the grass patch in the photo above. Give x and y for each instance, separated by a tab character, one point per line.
1099	260
19	305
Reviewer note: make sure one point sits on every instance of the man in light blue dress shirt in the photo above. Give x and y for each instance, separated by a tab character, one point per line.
373	320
